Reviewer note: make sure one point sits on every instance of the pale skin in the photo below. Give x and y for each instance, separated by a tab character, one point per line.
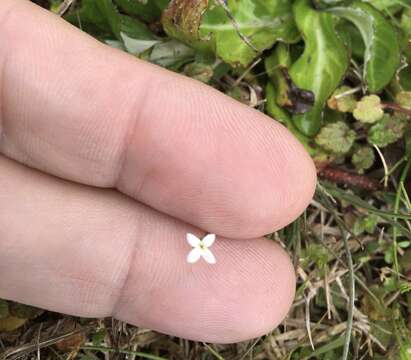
108	162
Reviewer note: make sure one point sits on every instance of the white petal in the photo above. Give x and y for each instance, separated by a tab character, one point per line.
193	256
193	240
208	240
208	256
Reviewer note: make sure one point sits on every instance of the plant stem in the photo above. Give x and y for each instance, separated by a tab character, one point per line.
397	108
396	210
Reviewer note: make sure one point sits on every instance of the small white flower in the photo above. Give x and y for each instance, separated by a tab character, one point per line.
201	248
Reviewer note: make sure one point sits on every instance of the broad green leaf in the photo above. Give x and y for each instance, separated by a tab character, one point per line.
392	6
122	24
135	46
148	11
352	38
133	34
405	25
89	18
322	4
171	54
382	55
279	114
289	96
111	14
237	32
322	65
261	22
272	108
275	64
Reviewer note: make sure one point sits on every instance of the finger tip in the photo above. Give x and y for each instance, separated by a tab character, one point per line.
263	309
246	294
276	196
296	185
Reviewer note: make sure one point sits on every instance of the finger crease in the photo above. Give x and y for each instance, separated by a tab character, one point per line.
135	119
129	266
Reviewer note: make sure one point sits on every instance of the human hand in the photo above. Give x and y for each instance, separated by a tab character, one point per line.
90	118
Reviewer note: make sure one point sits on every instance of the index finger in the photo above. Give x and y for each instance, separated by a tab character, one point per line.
77	109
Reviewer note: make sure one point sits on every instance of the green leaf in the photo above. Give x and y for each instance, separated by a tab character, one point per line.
272	108
276	90
182	20
11	323
135	36
406	22
323	64
369	110
352	38
382	55
390	6
135	29
363	158
24	311
366	224
336	138
403	98
199	71
261	22
90	19
405	78
171	54
4	309
237	32
148	11
387	131
289	96
342	100
103	15
277	113
111	14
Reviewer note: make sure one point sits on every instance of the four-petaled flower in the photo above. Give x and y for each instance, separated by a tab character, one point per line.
201	248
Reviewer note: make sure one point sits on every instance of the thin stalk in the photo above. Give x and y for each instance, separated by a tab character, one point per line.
396	210
351	277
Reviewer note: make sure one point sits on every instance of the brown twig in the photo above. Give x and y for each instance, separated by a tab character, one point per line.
397	108
344	177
